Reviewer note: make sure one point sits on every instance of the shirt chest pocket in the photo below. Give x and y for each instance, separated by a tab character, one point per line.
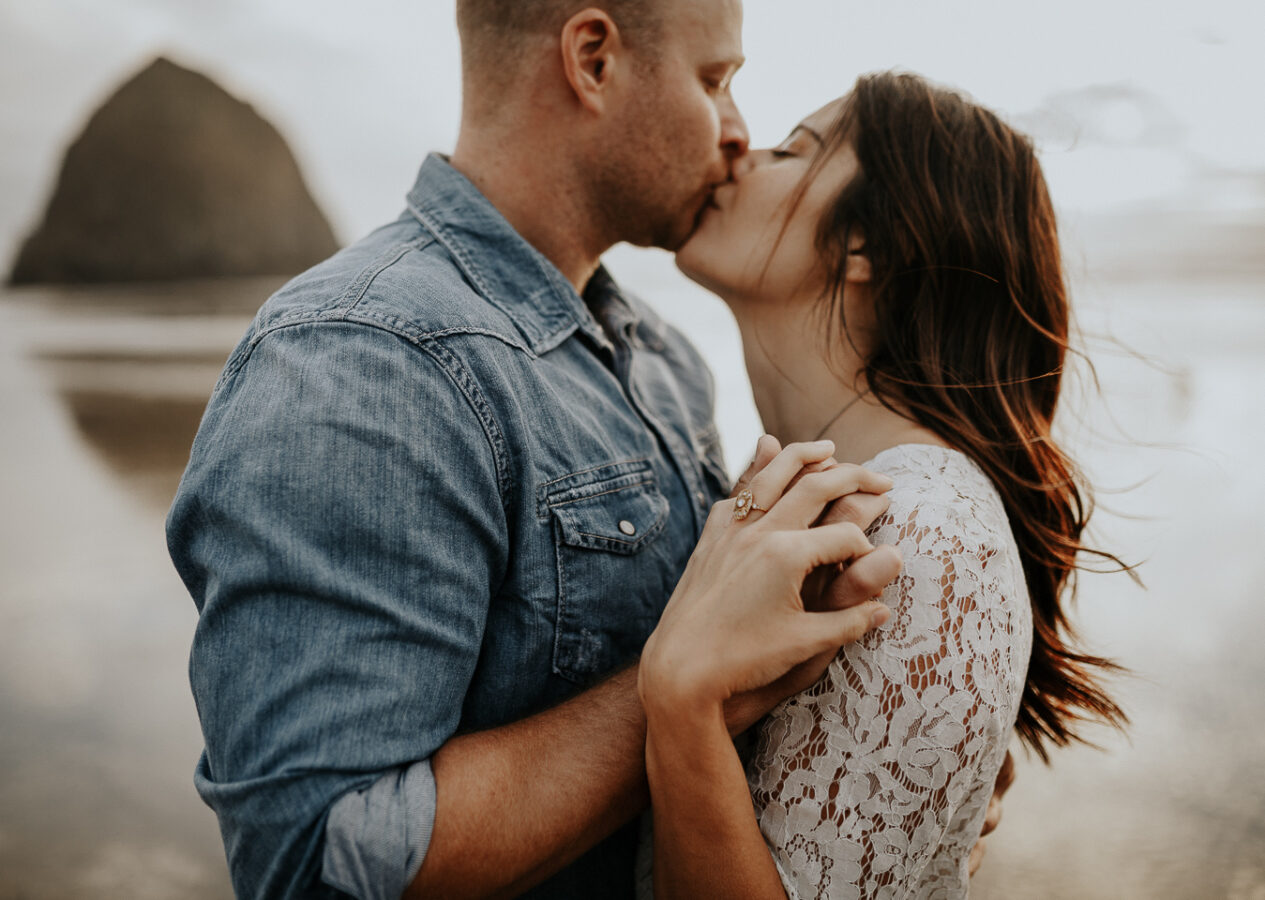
604	521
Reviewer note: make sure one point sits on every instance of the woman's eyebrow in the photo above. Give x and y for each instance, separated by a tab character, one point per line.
810	132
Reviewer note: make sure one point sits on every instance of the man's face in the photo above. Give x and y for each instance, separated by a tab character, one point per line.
679	130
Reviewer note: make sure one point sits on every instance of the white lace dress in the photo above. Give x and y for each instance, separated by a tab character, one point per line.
874	782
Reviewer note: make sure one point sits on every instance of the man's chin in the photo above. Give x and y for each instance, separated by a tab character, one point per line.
684	230
673	235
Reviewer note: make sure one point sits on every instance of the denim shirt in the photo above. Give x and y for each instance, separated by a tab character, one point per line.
434	490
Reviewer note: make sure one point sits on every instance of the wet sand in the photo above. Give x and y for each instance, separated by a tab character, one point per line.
102	391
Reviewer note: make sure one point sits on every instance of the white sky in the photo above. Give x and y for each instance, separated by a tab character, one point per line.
1132	101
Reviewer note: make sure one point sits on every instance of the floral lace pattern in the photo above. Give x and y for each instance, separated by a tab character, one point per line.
874	782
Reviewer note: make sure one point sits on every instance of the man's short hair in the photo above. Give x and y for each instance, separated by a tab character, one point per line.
493	31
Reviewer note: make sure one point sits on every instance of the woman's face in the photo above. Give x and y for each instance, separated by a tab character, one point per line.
736	252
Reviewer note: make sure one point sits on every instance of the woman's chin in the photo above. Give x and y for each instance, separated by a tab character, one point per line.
696	264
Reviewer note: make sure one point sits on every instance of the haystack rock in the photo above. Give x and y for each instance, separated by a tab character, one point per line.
174	178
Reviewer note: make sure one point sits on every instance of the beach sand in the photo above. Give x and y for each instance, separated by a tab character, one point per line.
103	389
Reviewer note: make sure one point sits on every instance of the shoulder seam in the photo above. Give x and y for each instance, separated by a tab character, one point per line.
465	382
391	324
356	292
449	363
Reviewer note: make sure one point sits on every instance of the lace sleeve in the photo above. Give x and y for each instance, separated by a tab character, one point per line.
875	781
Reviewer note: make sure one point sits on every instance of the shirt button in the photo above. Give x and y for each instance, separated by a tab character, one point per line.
702	498
627	527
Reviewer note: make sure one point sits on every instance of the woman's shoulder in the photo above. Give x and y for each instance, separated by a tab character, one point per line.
932	472
940	489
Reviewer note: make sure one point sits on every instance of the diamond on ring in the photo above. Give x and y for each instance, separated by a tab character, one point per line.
744	503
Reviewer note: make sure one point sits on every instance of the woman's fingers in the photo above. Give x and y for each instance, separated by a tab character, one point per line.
825	630
768	485
827	544
804	503
812	467
859	508
864	579
765	450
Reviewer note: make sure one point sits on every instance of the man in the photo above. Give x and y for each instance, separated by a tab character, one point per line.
450	477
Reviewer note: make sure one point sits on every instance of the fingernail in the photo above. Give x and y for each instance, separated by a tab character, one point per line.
879	617
824	444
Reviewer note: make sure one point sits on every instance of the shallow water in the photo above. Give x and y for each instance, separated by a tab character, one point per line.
102	390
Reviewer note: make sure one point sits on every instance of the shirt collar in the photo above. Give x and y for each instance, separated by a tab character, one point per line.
506	270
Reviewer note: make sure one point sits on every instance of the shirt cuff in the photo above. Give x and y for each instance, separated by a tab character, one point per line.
376	838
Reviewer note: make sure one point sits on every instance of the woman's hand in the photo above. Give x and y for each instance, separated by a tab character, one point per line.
736	621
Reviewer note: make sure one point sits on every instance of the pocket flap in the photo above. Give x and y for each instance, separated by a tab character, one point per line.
618	519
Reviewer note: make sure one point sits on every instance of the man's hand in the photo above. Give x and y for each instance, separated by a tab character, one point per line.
1005	778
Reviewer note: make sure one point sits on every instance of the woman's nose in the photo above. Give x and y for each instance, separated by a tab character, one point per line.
743	164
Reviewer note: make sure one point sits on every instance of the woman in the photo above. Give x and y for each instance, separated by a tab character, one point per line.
894	270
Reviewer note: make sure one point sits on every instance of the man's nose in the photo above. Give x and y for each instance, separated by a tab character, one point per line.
734	139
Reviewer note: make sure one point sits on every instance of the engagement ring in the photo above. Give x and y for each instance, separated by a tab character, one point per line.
744	503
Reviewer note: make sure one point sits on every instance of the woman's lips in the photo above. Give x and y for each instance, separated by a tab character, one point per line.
708	204
713	199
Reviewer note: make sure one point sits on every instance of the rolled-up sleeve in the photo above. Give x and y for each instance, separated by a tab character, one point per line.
341	528
376	839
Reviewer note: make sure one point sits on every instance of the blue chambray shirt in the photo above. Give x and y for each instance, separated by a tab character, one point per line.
434	490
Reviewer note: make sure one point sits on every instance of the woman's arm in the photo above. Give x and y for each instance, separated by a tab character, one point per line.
713	642
873	776
706	841
878	777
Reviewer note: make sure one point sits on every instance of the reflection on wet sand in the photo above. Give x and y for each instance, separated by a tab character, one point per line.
103	390
142	433
145	440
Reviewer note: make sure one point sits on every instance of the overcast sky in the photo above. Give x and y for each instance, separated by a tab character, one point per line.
1134	103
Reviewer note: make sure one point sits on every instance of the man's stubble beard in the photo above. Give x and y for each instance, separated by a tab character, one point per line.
636	208
645	199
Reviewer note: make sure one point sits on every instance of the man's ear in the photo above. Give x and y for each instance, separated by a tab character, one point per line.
858	269
590	45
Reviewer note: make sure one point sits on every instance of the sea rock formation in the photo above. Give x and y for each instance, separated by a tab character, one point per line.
174	178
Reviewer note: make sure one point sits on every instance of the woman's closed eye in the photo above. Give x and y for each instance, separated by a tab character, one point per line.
798	143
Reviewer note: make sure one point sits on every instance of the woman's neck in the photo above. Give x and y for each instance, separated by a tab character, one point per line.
805	392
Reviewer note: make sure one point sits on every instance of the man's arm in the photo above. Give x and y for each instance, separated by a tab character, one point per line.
340	528
518	803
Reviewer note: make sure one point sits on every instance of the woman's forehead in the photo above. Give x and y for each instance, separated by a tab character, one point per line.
819	121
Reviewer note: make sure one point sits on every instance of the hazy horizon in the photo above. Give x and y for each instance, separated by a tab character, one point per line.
1132	112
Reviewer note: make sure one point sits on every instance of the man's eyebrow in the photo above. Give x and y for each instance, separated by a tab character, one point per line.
732	63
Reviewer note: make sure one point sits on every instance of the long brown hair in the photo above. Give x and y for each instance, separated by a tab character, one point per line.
971	336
